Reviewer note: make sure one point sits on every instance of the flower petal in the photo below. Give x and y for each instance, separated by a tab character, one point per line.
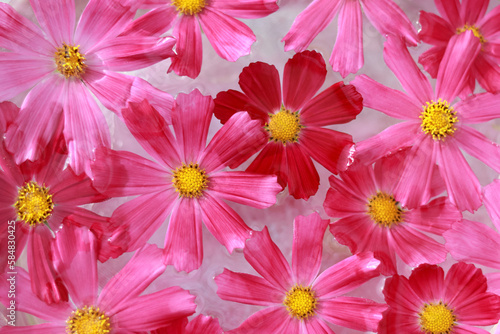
261	83
274	319
490	23
491	198
479	108
245	9
57	19
302	177
189	47
472	11
431	59
479	146
270	161
435	30
203	324
435	217
112	89
155	22
449	10
427	281
230	102
485	69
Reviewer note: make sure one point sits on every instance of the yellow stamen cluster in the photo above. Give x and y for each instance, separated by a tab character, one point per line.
284	126
475	31
34	204
190	180
438	119
437	318
300	302
70	62
189	7
88	320
384	210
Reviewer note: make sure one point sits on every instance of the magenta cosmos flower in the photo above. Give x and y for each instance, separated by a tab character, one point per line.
371	218
35	198
120	307
297	299
347	54
430	303
435	128
65	66
229	37
294	125
456	18
187	183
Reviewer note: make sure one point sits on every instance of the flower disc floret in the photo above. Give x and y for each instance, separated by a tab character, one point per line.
475	31
300	302
34	204
70	61
437	318
88	320
190	180
284	126
384	210
189	7
438	119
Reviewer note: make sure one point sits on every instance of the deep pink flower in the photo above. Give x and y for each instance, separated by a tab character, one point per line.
229	37
429	302
65	66
294	125
202	324
371	218
120	307
186	182
435	128
456	18
299	300
347	54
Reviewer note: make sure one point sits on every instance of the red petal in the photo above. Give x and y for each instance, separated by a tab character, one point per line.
261	83
302	177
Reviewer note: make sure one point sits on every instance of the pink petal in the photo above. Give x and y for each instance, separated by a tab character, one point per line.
8	114
466	329
273	319
340	204
308	24
154	22
473	10
261	83
462	184
258	191
390	101
359	182
427	282
155	310
435	30
485	69
48	328
189	47
449	10
230	102
247	289
493	282
57	19
352	312
303	76
346	275
270	161
308	233
317	326
347	54
337	104
480	147
431	59
479	108
435	217
491	198
245	9
203	324
401	297
184	239
160	100
302	177
112	89
389	19
229	37
224	223
142	269
490	24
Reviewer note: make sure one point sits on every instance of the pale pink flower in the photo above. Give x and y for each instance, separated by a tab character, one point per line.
347	54
434	126
297	299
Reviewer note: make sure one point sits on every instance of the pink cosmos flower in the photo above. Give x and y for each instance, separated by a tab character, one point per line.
371	218
120	307
35	198
187	181
434	127
63	67
229	37
347	54
297	299
201	324
294	126
429	302
457	18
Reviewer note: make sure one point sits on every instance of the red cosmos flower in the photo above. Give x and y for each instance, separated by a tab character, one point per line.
457	18
294	125
187	182
299	300
371	218
430	303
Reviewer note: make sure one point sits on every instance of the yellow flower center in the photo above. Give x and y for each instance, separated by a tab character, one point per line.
284	126
475	31
384	210
190	180
436	318
300	302
88	320
34	204
189	7
70	62
438	119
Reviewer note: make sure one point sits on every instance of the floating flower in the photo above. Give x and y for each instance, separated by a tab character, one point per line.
299	300
64	67
435	128
294	126
430	303
187	183
372	219
457	18
347	54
